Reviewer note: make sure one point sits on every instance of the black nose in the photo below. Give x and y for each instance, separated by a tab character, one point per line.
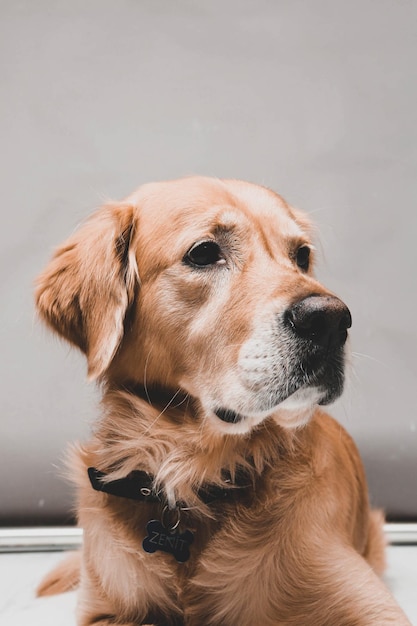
322	319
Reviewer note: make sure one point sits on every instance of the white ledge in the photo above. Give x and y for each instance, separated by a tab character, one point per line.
45	539
40	539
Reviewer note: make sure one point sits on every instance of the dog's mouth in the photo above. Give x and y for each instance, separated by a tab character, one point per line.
314	386
228	416
302	398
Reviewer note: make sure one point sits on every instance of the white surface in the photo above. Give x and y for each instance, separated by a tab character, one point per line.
20	574
54	538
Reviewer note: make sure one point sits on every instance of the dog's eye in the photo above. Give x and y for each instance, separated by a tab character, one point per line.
302	258
204	253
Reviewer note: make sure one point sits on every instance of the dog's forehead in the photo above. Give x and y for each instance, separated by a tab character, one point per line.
265	208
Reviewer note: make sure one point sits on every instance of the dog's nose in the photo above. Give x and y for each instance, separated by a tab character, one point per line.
322	319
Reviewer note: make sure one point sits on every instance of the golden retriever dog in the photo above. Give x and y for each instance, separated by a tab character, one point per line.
215	490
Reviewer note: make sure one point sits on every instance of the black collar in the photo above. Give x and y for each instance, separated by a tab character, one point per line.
139	486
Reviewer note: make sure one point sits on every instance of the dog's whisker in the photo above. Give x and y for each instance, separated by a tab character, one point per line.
166	407
169	404
145	382
359	356
184	399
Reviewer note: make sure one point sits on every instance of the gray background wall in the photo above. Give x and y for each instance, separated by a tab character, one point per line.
314	99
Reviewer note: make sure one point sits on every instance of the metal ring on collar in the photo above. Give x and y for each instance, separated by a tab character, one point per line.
165	518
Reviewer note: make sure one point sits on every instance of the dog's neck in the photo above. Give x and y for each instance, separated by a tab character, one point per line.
159	430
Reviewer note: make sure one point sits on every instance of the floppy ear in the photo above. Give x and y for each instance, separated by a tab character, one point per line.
85	291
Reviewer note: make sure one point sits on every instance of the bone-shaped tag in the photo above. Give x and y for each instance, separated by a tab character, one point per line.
175	543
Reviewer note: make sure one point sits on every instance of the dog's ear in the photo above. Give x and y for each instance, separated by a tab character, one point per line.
87	288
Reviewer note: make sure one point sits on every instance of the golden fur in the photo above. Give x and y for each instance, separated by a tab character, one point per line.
171	343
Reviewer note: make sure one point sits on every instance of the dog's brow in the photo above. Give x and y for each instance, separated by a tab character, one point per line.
224	228
296	242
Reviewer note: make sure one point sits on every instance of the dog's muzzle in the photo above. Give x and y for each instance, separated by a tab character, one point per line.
308	341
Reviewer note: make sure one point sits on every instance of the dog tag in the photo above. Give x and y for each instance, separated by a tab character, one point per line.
161	538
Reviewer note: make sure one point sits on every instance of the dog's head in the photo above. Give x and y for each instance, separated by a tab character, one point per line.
205	286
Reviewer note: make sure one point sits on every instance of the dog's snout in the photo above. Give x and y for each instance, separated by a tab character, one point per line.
322	319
